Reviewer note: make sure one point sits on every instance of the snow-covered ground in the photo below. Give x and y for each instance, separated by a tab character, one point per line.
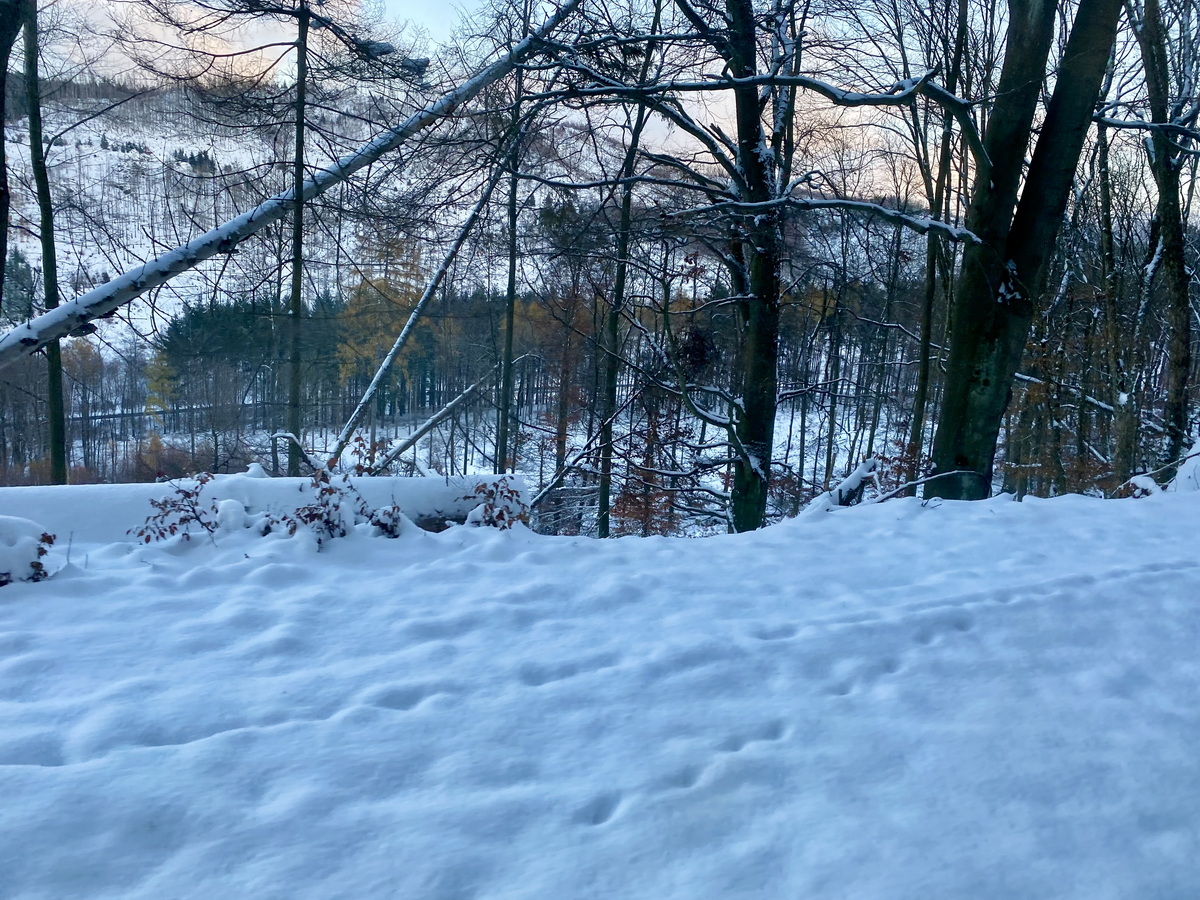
988	700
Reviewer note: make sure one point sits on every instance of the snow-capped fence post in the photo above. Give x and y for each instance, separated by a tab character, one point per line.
111	296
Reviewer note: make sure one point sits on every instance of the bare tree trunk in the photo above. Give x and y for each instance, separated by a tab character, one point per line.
935	258
10	27
611	347
1166	163
1120	349
294	421
1004	275
504	407
612	323
55	407
759	319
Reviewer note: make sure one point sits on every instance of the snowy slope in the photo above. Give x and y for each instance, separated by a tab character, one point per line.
990	700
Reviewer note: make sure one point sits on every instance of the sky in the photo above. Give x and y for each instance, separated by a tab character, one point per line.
436	18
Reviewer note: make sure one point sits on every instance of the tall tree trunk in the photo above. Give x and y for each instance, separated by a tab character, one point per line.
10	27
759	312
295	302
1120	350
935	257
504	407
610	347
612	324
1166	163
55	406
1004	275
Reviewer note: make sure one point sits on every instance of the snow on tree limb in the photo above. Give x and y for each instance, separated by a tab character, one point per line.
431	423
430	289
848	492
919	224
111	296
899	94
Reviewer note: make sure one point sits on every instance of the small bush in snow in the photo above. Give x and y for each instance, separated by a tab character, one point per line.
174	514
365	454
22	545
389	520
1140	486
501	506
332	512
334	509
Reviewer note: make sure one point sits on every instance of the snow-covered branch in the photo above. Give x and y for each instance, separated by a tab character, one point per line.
430	289
847	493
919	224
111	296
429	424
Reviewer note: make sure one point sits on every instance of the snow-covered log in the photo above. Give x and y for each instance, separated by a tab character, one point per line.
111	296
847	493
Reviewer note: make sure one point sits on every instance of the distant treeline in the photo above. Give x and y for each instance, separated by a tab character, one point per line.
65	90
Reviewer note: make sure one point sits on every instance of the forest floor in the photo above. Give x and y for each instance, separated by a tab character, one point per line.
984	700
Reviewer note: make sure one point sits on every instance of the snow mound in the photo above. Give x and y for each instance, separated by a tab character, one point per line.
987	700
23	543
1187	478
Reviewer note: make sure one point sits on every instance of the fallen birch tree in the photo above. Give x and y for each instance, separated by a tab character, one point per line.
109	297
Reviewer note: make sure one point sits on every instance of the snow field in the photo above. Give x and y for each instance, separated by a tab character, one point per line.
966	700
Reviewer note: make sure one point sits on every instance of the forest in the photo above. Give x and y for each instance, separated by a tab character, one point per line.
683	265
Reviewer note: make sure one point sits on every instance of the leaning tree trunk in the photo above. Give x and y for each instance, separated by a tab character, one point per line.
1003	275
111	296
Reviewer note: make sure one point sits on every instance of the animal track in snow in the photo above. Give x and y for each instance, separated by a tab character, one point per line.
41	748
599	809
439	629
536	675
689	776
775	632
769	731
403	697
677	660
21	676
684	778
14	643
864	675
942	622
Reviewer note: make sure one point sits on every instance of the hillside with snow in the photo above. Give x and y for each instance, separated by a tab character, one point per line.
136	174
958	700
